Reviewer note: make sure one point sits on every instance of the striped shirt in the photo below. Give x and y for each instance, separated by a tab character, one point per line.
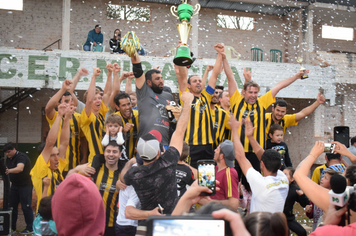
285	122
93	129
221	126
105	180
73	150
255	112
132	135
200	126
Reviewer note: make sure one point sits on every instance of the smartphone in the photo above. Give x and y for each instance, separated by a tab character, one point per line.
160	208
192	225
329	148
206	176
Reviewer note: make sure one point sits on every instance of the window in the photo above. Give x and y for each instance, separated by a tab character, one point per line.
235	22
340	33
128	13
12	5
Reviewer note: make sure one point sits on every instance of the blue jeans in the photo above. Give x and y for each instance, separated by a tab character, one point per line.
86	47
125	230
23	195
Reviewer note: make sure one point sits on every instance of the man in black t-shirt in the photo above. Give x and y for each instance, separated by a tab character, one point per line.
18	167
155	180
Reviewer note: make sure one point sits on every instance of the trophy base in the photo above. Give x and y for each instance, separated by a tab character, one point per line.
183	57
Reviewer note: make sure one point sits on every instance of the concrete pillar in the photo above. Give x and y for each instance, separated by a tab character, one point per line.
195	30
65	24
309	34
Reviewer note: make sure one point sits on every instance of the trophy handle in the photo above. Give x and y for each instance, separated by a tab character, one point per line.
197	9
173	10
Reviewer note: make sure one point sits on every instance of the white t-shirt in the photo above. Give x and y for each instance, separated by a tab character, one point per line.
127	197
268	193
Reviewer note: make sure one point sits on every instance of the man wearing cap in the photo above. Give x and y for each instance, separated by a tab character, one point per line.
226	175
155	181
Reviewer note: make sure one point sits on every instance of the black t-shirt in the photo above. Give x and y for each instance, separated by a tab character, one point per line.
184	177
291	199
156	183
282	148
23	178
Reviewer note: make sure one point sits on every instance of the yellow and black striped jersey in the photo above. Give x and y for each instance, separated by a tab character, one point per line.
93	129
200	126
255	112
73	150
41	170
132	136
285	122
105	180
221	126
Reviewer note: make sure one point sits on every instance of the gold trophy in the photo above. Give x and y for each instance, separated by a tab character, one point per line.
185	12
300	61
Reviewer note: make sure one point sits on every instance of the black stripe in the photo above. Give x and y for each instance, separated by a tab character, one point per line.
211	125
258	110
77	137
191	123
242	134
215	129
134	134
222	129
93	139
102	121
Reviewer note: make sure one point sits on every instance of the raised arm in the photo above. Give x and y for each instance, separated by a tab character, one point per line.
239	150
182	77
249	130
91	92
53	102
178	135
310	109
137	70
65	132
317	194
218	63
286	82
108	84
205	76
230	77
127	166
53	132
116	85
81	72
342	150
128	86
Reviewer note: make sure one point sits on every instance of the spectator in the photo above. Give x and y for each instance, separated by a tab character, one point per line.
78	208
333	161
294	195
226	175
94	40
266	223
316	193
269	191
113	130
155	181
115	42
44	224
352	149
199	135
185	174
276	143
18	167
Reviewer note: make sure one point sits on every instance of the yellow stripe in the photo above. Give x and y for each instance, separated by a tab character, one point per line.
228	179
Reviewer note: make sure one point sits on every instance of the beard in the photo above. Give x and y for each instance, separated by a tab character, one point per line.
156	89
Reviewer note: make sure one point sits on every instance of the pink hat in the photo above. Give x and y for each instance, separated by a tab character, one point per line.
77	207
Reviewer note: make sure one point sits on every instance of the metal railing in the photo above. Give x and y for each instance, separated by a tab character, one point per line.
57	41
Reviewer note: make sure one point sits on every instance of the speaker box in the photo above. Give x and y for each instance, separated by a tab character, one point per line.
342	135
5	222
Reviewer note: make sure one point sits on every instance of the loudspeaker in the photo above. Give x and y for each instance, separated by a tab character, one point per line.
5	222
342	135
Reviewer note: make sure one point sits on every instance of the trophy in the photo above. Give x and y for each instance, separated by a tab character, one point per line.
185	12
130	43
300	61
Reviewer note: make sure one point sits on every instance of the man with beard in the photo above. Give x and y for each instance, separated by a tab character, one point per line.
151	101
200	131
215	103
279	110
224	100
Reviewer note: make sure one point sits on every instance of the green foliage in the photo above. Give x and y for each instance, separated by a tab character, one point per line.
128	13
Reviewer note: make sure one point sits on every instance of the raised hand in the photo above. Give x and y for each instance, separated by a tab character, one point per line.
110	67
96	72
